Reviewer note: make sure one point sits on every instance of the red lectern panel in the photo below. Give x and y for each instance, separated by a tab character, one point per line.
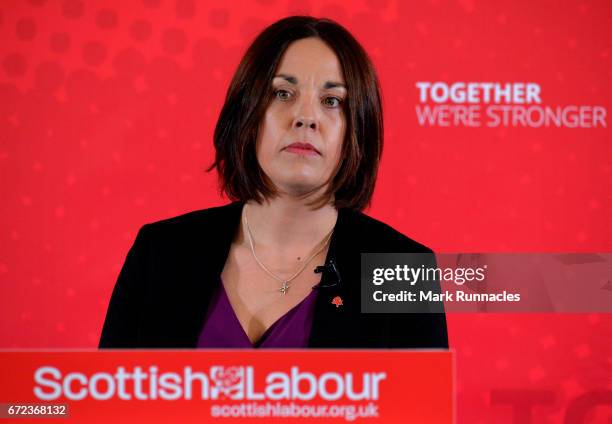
278	386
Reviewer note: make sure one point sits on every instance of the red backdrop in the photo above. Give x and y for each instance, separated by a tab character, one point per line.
106	117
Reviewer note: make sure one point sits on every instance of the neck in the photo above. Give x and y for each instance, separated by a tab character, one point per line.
288	223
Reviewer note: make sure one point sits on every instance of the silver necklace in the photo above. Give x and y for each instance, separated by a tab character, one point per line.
286	282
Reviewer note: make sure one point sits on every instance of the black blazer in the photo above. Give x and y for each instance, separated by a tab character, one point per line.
173	268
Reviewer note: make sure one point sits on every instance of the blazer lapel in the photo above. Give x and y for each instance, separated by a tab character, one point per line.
329	326
201	271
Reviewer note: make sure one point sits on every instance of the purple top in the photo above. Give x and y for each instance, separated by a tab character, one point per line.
223	330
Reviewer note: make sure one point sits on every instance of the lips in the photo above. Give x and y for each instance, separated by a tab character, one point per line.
302	148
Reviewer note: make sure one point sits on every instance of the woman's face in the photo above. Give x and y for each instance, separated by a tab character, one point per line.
301	134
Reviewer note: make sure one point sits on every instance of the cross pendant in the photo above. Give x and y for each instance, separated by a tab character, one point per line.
285	288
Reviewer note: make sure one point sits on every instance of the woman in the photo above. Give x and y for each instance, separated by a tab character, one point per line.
298	143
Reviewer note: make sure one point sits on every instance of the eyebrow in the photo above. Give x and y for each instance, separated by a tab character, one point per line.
328	84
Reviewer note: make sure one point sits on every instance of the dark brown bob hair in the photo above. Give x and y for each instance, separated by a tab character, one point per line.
241	177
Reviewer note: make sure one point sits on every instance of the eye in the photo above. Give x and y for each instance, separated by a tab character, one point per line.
332	102
282	95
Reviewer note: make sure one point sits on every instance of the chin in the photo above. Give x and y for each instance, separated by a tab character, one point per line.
299	187
297	176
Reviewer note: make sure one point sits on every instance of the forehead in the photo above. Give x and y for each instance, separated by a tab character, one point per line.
310	59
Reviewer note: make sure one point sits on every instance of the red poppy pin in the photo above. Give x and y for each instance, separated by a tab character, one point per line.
337	301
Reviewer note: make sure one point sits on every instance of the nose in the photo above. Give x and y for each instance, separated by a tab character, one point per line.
305	114
309	123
